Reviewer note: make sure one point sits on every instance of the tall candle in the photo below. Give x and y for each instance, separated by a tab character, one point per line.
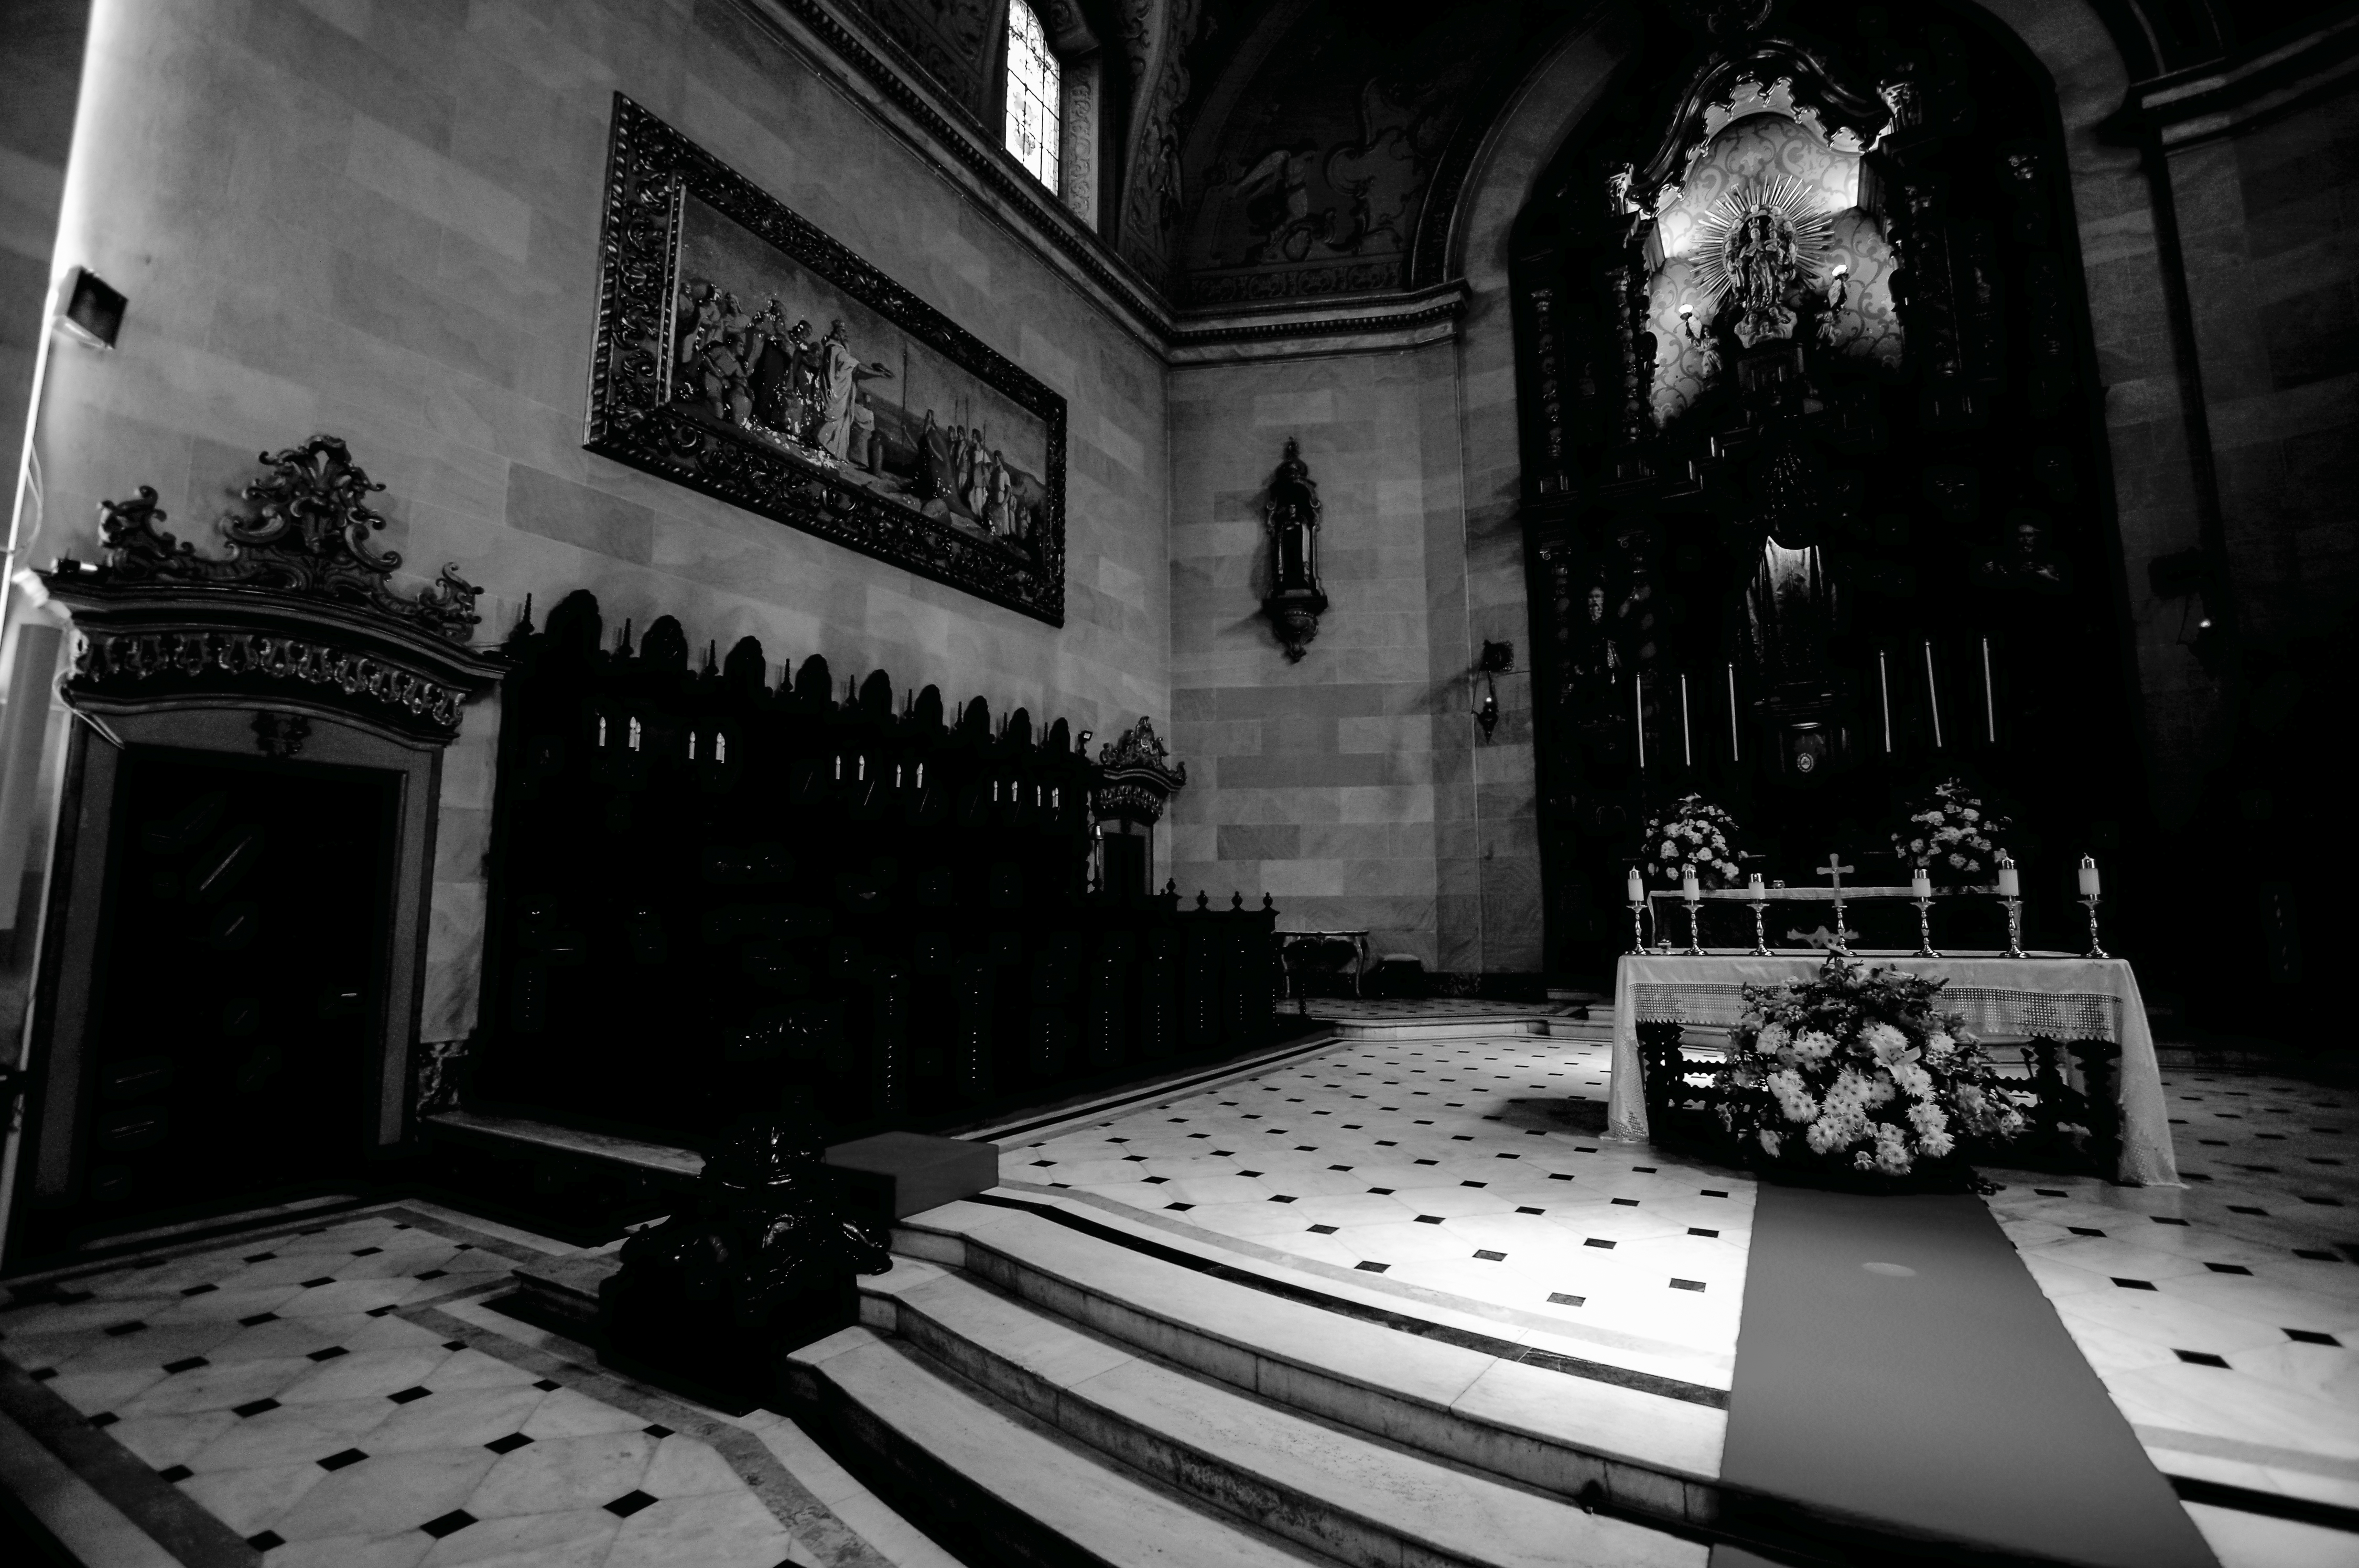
1689	887
1920	884
1884	694
1637	887
1638	703
1686	744
2010	881
1933	694
1734	752
2089	888
1753	885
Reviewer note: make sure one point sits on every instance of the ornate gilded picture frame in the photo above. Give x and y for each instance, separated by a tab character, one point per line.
744	353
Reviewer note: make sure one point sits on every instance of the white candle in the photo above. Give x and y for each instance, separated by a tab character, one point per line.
2089	888
1637	887
1688	888
1753	885
2010	881
1638	706
1921	883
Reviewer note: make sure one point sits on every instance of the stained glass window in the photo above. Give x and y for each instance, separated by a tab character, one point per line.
1034	102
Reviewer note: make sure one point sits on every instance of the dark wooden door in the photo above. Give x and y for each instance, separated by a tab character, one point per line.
239	983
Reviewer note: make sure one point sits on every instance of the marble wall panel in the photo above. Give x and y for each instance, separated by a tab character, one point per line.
381	221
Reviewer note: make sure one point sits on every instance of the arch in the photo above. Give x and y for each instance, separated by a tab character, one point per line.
2077	44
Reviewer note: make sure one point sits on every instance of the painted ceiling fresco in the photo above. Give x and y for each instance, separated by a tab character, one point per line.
1325	163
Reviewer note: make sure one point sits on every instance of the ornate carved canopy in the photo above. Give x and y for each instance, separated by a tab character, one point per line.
299	613
1136	775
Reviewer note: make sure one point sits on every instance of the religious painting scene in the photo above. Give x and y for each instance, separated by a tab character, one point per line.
1178	784
761	346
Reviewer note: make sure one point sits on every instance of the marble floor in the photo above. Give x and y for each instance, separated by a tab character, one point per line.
1444	1172
2223	1318
334	1393
334	1390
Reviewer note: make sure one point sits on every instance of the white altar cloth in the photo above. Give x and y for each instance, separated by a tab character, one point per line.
2059	997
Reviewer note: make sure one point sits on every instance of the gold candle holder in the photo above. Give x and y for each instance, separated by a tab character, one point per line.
1760	938
1695	911
2090	902
1925	929
2014	928
1637	925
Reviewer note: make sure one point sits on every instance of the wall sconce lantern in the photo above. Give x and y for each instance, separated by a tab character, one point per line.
1296	602
1497	659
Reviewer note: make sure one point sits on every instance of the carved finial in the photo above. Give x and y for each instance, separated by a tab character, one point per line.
1202	901
310	534
623	641
1265	903
1236	899
712	656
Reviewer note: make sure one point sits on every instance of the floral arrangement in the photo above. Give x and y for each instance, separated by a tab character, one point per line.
1854	1070
1953	835
1691	832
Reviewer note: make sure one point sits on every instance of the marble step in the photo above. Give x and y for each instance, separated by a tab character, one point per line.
1363	1502
1605	1437
996	1485
1438	1028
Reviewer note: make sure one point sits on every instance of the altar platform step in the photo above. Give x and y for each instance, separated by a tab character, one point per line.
1033	1301
1024	1427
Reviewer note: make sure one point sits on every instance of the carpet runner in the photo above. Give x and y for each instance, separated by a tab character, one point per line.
1899	1370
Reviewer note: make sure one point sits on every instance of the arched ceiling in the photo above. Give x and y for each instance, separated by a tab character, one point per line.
1277	151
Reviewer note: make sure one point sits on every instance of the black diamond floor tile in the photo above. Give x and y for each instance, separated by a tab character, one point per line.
629	1503
450	1523
338	1460
509	1445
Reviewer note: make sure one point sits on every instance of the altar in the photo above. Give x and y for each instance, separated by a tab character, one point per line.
2003	999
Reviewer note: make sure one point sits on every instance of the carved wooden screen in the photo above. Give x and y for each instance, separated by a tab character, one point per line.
707	890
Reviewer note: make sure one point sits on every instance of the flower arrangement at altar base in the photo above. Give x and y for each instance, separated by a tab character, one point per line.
1691	832
1953	835
1854	1070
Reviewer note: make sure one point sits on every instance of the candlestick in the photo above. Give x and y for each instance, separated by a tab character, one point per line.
1760	907
2097	950
1691	891
1637	912
1920	889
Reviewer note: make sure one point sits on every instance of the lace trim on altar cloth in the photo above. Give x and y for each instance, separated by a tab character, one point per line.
1987	1009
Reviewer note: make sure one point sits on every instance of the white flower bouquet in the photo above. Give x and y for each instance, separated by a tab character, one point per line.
1691	832
1855	1071
1953	835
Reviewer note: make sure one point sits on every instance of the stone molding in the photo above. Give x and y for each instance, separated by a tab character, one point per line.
2221	97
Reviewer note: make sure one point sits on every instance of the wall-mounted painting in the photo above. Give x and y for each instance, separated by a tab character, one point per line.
744	353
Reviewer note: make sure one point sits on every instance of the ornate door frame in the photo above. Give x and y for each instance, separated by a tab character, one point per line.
293	646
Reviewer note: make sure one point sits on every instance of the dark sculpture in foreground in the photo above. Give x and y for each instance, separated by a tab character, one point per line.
763	1262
